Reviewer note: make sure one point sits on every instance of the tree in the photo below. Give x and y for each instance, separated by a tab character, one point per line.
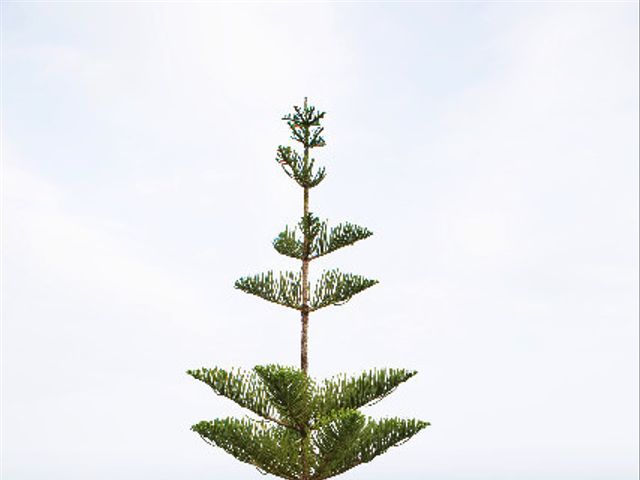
305	429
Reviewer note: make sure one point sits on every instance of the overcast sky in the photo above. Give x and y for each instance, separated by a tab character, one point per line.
492	148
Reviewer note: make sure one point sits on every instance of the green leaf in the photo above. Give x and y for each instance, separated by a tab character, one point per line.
335	287
322	241
295	166
335	440
305	125
342	392
291	391
343	235
375	438
244	388
301	416
271	449
288	244
286	290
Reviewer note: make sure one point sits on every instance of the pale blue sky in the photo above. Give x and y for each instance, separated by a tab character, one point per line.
491	147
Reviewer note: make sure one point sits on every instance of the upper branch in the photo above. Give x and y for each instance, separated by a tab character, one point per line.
335	288
286	290
322	239
295	167
305	128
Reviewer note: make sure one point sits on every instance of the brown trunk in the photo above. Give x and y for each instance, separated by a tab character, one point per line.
304	316
304	361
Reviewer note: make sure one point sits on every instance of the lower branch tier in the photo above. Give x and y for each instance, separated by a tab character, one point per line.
308	430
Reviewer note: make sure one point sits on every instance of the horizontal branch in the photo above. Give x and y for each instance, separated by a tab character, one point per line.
322	239
286	290
342	235
299	414
335	288
272	450
243	387
295	167
372	439
342	392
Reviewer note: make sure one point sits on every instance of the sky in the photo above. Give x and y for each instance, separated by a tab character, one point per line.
492	148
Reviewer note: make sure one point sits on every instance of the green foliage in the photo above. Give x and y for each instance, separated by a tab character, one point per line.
333	288
285	291
299	168
322	240
289	397
305	126
336	288
343	235
287	243
335	440
244	388
291	391
294	408
342	392
271	449
354	446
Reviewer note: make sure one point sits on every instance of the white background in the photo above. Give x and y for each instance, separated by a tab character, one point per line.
492	148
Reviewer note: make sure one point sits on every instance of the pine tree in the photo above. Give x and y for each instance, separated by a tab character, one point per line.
305	429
